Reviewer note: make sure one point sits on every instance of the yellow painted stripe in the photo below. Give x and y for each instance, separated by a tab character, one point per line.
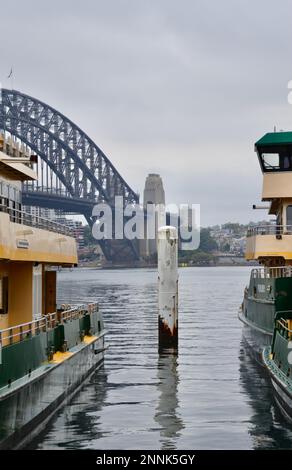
60	357
89	339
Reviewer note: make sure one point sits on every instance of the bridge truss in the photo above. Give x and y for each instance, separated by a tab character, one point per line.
74	174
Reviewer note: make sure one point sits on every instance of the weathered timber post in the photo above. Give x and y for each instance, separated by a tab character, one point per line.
167	289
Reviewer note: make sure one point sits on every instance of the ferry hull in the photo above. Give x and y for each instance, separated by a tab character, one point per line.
255	338
283	399
265	295
26	408
281	383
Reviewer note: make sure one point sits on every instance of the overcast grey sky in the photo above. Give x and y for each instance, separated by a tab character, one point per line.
183	88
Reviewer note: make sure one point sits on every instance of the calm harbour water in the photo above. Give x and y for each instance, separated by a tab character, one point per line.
212	396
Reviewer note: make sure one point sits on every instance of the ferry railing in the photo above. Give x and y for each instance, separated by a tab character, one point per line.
25	218
74	312
17	333
271	273
284	323
20	332
271	229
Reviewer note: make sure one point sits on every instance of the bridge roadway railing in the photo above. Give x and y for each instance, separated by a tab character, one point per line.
46	189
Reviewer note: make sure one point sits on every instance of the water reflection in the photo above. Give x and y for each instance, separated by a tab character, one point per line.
77	423
167	410
267	428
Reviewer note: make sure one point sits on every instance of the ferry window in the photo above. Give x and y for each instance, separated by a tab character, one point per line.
287	162
271	161
289	216
4	295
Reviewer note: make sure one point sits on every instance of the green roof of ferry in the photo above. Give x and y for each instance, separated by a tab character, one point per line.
275	138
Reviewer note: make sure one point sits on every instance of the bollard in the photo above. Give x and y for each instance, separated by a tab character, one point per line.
167	289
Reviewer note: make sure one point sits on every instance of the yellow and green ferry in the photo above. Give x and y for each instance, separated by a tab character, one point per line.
266	311
46	353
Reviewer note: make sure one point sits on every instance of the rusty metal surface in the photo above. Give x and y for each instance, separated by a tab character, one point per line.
167	337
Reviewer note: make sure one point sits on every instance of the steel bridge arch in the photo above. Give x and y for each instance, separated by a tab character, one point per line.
78	163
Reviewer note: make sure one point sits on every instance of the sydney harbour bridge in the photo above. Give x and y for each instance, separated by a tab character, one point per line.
74	174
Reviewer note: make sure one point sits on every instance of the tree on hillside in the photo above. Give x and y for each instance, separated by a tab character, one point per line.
207	243
88	238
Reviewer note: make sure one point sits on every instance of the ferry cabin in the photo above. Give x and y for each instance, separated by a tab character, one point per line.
29	248
271	245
